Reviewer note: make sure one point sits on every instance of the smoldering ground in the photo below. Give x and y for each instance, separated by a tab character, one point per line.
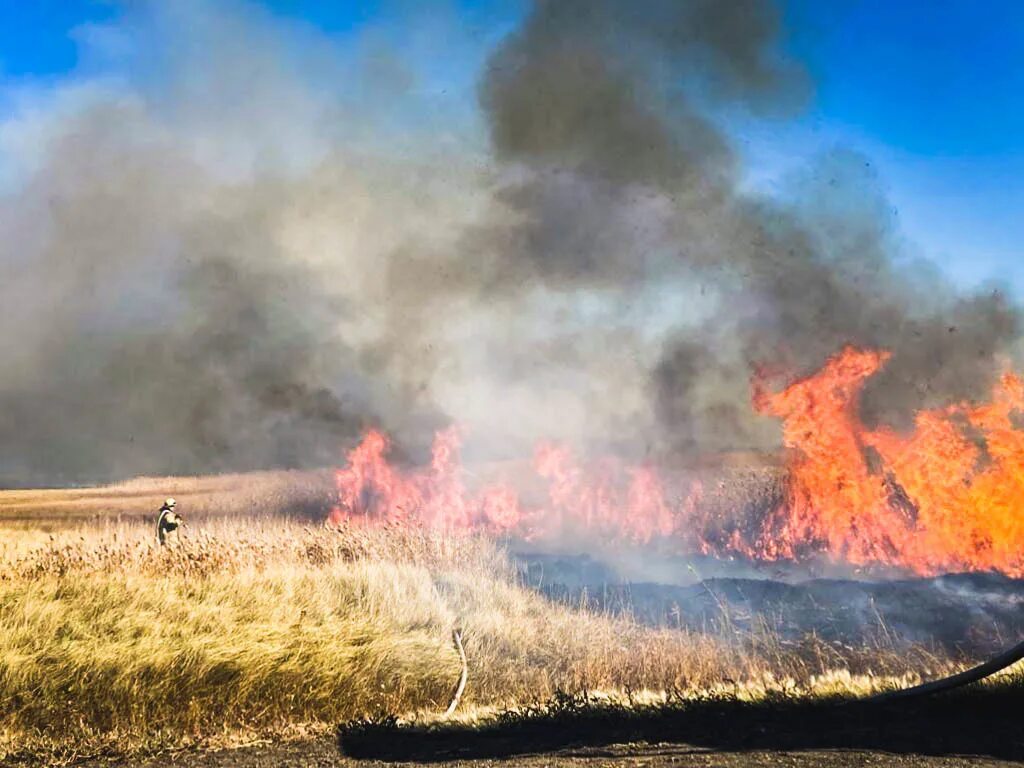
246	256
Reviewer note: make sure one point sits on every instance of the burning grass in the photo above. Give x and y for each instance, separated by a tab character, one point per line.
111	645
943	497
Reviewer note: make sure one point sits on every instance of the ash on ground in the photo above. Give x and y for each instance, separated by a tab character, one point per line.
971	613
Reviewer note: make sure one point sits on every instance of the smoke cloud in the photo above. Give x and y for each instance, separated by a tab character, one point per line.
611	95
245	254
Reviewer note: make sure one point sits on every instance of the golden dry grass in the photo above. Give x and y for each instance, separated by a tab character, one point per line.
109	644
251	493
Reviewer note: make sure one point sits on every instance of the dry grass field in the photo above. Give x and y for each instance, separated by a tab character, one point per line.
264	626
253	493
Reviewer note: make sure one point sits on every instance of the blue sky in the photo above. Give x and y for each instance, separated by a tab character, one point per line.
930	89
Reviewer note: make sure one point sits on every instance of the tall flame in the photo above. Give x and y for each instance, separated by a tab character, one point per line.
947	496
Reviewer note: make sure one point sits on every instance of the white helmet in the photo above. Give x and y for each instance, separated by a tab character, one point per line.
169	503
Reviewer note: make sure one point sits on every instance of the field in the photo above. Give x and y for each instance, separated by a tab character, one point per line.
252	493
267	626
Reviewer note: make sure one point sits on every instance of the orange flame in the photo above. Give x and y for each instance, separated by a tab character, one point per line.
608	499
948	496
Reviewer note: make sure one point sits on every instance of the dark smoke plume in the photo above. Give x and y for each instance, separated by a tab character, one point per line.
602	102
241	263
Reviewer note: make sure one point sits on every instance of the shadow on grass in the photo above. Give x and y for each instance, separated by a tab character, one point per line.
983	721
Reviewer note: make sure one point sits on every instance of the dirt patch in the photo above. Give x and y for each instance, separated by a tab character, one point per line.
324	753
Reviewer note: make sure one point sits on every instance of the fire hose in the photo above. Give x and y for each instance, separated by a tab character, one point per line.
968	676
457	641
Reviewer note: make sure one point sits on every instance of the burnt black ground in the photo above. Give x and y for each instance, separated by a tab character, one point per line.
973	614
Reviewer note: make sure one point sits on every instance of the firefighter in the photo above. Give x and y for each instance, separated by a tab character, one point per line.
167	524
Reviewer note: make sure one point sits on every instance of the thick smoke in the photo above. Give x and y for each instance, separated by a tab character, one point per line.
627	181
151	324
176	298
247	256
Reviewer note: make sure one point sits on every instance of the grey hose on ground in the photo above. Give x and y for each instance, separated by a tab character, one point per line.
457	639
968	676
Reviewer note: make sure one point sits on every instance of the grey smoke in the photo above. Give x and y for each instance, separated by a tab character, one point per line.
612	94
154	328
247	260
